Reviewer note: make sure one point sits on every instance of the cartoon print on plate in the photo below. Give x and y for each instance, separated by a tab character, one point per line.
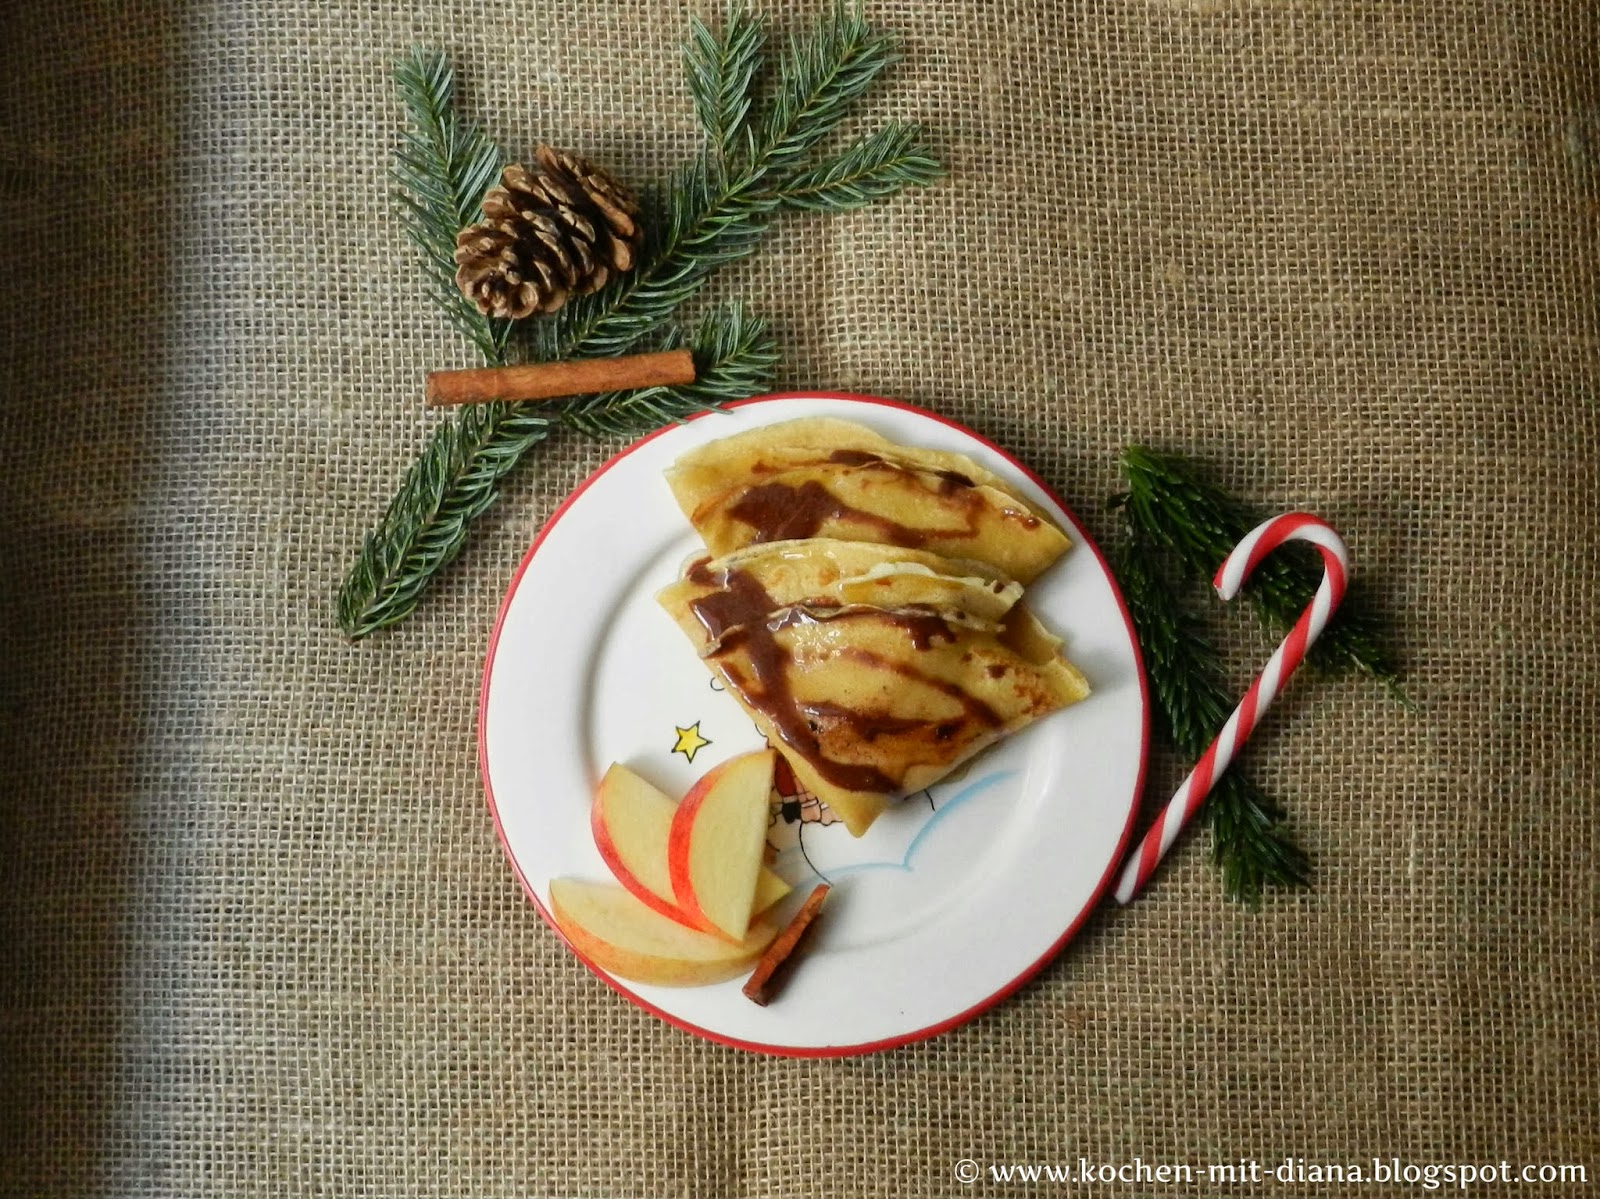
688	741
806	853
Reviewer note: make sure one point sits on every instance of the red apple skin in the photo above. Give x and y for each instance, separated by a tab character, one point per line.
680	840
613	860
618	791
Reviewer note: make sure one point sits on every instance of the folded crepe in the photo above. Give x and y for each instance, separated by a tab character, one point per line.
822	477
870	700
824	574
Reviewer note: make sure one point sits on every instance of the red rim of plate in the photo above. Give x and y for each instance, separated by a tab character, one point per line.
982	1005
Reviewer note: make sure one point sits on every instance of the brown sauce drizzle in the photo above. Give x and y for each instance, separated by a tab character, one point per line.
869	726
925	629
740	602
699	571
780	511
741	614
783	512
855	458
949	480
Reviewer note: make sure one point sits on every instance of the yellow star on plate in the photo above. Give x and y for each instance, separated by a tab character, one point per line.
689	741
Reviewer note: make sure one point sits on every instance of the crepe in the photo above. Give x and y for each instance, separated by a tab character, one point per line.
825	574
869	701
822	477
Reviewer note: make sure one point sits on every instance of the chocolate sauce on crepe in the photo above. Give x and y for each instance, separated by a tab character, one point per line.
860	602
780	511
828	478
744	627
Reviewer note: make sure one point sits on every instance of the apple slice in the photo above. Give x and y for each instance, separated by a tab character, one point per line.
714	849
769	889
632	821
612	928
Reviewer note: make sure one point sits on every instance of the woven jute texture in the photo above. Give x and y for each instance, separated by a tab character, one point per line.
257	936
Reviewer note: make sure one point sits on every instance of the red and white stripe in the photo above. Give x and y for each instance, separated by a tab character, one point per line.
1246	556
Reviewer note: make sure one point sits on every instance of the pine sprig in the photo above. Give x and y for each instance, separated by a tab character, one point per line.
710	221
449	486
719	207
1250	844
444	166
821	75
877	165
1175	521
722	71
1171	506
734	355
714	211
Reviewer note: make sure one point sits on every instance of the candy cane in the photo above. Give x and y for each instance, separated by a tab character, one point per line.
1246	556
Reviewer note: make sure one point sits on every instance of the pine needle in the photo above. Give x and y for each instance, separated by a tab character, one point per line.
734	355
713	211
822	74
444	166
871	168
450	485
722	70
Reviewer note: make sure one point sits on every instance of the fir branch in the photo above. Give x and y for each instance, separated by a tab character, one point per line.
734	358
450	485
717	211
714	212
443	167
820	77
722	70
711	221
872	167
1171	506
1250	844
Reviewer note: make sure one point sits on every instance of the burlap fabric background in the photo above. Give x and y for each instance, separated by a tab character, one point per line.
258	937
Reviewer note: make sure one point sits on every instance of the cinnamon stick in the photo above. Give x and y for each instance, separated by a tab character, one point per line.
549	380
769	974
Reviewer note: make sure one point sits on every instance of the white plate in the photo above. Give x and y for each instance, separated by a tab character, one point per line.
951	901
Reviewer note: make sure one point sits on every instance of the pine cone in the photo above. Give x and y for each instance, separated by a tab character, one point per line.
547	235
